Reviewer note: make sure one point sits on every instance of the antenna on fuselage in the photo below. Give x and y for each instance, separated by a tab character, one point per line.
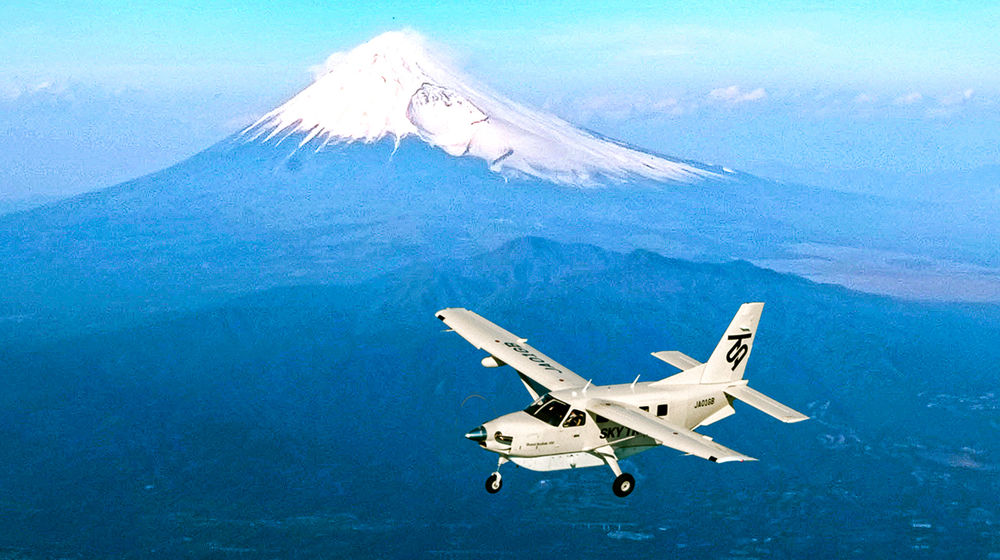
636	380
587	385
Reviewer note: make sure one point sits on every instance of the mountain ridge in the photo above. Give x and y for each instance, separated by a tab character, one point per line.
243	215
268	410
240	217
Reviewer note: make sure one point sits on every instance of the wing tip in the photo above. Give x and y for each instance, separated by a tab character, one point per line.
730	459
441	312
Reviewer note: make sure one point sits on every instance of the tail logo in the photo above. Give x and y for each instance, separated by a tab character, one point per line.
739	350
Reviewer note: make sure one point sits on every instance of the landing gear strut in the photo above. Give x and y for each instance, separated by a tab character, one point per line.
494	483
624	482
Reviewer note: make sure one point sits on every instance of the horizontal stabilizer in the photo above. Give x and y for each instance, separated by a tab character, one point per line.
677	359
765	404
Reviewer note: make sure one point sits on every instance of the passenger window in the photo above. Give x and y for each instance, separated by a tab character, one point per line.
575	418
646	408
661	410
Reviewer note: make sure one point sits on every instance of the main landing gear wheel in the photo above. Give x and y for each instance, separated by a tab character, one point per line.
624	484
494	483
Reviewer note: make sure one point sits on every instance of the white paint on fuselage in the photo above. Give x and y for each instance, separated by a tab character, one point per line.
537	445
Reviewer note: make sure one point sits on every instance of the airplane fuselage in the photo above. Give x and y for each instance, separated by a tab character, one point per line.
574	424
561	434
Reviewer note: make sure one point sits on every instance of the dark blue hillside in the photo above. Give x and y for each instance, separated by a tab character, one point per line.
319	421
242	217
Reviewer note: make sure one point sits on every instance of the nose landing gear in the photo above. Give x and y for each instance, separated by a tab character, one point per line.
494	483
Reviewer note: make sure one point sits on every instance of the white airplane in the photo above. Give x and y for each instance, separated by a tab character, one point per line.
573	423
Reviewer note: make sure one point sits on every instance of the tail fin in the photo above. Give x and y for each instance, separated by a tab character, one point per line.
729	359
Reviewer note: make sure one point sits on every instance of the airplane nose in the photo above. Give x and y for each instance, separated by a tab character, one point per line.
477	435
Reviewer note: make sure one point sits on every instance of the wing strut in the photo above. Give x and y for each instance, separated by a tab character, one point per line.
664	432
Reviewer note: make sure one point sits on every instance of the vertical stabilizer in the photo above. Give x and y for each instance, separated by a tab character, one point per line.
729	359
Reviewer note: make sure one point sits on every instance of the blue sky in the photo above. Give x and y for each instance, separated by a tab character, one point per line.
92	93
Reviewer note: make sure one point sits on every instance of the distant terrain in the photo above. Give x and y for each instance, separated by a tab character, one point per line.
237	356
325	419
16	205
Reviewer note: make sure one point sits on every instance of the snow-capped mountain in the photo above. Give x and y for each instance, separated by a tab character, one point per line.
393	87
390	160
180	354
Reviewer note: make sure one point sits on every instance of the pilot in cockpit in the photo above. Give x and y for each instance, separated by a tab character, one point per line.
575	418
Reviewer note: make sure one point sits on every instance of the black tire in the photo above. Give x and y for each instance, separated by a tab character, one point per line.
494	483
624	485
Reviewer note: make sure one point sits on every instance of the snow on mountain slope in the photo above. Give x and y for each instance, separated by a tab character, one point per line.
392	86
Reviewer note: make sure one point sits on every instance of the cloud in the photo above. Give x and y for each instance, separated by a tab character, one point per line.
14	92
39	91
620	107
735	95
318	70
405	38
957	98
865	99
671	106
909	99
951	104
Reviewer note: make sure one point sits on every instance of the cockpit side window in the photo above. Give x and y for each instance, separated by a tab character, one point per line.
552	412
575	418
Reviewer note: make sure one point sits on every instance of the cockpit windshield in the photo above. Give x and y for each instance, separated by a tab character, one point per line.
538	404
549	410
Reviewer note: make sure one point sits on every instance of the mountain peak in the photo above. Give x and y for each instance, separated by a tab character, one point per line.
393	86
361	95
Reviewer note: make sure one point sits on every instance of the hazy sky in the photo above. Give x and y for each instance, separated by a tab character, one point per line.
92	93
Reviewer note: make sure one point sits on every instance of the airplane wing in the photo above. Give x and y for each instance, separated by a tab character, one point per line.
539	373
666	433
